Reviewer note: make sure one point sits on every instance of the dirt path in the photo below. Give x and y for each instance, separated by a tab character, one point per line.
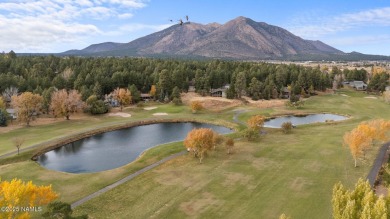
126	179
380	158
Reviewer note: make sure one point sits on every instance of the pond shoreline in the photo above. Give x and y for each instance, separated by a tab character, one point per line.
303	115
79	136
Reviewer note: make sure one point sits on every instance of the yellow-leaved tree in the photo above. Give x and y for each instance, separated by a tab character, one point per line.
255	123
123	96
64	103
361	138
196	106
18	199
27	105
360	202
153	91
199	141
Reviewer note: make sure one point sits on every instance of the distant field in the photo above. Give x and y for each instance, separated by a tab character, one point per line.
292	174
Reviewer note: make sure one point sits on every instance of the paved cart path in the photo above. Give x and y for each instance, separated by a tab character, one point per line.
236	114
380	158
126	179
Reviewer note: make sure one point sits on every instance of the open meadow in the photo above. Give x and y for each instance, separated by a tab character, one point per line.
280	173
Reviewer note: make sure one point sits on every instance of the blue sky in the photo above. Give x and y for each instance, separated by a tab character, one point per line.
60	25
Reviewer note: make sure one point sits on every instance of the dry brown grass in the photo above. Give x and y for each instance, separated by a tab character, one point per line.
210	103
219	103
233	179
263	163
299	184
263	104
197	206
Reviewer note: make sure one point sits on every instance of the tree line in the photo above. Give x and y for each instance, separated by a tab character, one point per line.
100	76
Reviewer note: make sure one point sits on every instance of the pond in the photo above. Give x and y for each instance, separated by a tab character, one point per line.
301	120
117	148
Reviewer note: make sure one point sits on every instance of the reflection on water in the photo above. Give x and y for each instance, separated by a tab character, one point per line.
71	148
300	120
117	148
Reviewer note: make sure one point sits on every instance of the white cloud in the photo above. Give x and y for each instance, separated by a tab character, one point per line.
86	3
38	26
137	27
312	26
39	35
125	16
128	3
379	16
360	40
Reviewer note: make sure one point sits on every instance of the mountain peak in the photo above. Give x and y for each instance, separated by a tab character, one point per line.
240	38
241	19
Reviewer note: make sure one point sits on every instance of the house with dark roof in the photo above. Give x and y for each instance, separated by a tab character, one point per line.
358	85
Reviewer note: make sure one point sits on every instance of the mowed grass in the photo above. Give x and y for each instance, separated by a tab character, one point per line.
260	180
292	174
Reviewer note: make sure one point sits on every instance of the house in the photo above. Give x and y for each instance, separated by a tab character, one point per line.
191	88
146	97
12	113
219	92
359	85
285	93
110	100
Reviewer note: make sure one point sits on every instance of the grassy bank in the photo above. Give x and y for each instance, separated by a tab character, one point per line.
291	173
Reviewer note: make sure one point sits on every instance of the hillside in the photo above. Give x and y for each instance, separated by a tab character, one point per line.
239	39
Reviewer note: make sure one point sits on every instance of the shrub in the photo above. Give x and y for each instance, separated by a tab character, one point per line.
96	106
251	134
286	127
177	101
61	210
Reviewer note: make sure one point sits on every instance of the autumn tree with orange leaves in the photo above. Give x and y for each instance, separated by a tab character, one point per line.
153	91
255	123
199	142
27	105
64	103
229	143
360	139
17	198
196	106
123	96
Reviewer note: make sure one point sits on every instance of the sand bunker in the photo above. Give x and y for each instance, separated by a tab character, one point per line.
371	97
160	114
150	108
119	114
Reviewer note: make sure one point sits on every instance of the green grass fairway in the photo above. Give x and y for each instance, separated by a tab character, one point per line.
292	174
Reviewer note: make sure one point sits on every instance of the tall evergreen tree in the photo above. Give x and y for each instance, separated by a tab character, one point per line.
240	84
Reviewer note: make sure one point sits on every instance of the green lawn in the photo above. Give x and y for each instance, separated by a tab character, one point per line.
292	174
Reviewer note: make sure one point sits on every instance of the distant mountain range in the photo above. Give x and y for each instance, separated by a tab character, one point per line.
238	39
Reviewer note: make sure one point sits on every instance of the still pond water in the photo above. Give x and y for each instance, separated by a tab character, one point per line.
117	148
301	120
